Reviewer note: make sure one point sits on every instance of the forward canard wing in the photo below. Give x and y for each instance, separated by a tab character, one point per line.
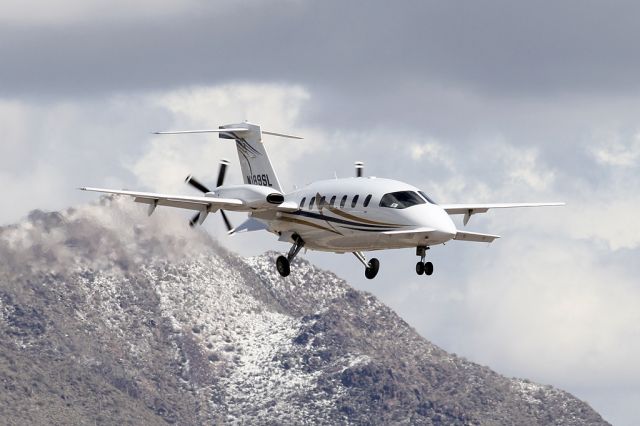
461	236
475	237
470	209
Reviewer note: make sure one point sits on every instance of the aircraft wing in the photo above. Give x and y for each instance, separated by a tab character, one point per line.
470	209
180	201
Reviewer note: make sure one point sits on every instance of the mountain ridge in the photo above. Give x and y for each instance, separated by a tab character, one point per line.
112	317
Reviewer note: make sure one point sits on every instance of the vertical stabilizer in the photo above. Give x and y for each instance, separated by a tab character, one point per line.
254	160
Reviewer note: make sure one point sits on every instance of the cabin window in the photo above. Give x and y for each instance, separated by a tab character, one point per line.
426	197
322	202
401	200
354	201
302	202
312	202
333	201
343	201
366	201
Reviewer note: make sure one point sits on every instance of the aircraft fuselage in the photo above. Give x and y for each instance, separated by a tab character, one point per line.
352	214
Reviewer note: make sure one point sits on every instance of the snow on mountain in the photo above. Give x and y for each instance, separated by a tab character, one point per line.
108	316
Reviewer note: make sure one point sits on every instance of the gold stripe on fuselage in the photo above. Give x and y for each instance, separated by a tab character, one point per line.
359	219
304	222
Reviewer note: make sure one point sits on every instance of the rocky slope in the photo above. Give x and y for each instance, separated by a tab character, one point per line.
107	316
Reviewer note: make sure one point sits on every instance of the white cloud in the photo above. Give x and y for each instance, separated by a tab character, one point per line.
553	310
619	153
430	150
605	219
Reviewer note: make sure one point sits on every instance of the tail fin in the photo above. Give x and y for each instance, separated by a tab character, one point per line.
254	160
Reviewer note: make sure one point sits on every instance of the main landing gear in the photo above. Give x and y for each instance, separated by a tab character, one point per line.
371	267
423	267
283	264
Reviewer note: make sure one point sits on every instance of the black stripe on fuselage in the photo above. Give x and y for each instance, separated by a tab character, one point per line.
343	222
368	230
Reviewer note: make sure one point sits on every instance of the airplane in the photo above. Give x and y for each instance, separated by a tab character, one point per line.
356	214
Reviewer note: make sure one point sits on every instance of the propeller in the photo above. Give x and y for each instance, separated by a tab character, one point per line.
359	166
222	171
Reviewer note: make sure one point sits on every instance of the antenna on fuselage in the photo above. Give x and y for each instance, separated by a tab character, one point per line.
359	166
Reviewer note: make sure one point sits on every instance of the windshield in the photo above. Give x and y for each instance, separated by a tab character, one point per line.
401	200
426	197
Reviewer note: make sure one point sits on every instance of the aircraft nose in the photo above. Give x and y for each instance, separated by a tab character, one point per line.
446	225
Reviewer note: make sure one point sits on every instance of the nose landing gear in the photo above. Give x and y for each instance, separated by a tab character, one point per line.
423	267
283	264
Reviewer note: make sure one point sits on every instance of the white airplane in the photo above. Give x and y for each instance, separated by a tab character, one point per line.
356	214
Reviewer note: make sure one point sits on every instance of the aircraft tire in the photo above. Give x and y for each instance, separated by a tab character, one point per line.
283	267
428	268
419	268
372	270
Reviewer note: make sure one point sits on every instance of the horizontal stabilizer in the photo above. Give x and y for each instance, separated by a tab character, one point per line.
282	135
180	132
228	130
475	237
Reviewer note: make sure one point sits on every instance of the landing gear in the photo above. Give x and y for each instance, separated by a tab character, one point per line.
428	268
371	267
283	264
372	270
423	267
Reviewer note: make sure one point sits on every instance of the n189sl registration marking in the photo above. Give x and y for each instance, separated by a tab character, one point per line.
262	180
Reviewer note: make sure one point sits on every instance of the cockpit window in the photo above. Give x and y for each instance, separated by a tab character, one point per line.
401	200
426	197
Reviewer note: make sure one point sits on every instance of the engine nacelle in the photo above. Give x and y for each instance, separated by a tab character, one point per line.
254	196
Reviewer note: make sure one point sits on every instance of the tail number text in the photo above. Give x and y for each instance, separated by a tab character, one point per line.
262	180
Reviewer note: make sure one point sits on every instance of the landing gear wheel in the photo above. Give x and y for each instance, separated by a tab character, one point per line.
282	265
428	268
372	270
420	268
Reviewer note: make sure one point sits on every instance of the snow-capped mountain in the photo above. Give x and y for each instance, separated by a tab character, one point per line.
107	316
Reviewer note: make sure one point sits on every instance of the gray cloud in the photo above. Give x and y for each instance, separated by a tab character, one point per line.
500	48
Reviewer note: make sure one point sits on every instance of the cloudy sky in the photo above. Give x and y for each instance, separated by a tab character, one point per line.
492	101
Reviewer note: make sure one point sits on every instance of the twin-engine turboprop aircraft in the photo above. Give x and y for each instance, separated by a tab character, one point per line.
354	215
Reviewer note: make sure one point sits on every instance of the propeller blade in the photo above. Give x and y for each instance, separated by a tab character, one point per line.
359	165
226	221
194	220
221	172
196	184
